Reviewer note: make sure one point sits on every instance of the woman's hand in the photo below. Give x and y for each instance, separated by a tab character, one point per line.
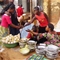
28	30
27	24
21	26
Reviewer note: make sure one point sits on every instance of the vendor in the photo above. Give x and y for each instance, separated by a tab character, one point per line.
50	35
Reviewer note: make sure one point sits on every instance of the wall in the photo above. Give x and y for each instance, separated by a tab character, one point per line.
16	2
19	2
34	3
55	10
52	8
24	3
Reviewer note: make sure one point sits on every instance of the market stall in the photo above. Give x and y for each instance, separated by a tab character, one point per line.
15	48
13	54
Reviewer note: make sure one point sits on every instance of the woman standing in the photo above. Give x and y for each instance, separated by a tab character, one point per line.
6	22
14	19
42	18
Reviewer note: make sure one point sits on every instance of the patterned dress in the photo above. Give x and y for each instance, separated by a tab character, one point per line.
52	38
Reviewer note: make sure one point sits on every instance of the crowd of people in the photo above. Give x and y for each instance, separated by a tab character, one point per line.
38	33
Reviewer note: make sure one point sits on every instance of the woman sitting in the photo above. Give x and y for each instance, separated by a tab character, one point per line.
50	35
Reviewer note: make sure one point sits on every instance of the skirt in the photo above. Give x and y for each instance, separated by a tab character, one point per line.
3	32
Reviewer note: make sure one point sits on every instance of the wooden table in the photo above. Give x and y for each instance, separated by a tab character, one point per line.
13	54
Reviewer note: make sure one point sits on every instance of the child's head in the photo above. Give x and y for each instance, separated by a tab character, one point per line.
50	27
11	8
35	28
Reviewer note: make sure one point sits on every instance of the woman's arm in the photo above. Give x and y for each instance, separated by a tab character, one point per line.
32	32
17	27
46	17
31	21
9	22
39	35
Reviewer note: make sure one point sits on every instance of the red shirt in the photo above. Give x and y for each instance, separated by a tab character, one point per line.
19	11
6	21
42	19
29	35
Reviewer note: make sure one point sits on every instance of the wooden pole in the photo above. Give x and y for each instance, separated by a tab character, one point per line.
30	9
49	9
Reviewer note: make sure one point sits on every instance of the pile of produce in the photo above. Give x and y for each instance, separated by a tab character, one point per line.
10	39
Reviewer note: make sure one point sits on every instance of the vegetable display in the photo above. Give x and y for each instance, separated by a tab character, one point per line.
10	39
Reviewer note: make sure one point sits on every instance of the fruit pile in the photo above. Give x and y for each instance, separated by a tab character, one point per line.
10	39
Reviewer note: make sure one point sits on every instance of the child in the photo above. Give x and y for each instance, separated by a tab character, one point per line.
32	36
50	35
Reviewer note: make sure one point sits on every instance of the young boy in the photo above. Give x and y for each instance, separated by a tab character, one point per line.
32	36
